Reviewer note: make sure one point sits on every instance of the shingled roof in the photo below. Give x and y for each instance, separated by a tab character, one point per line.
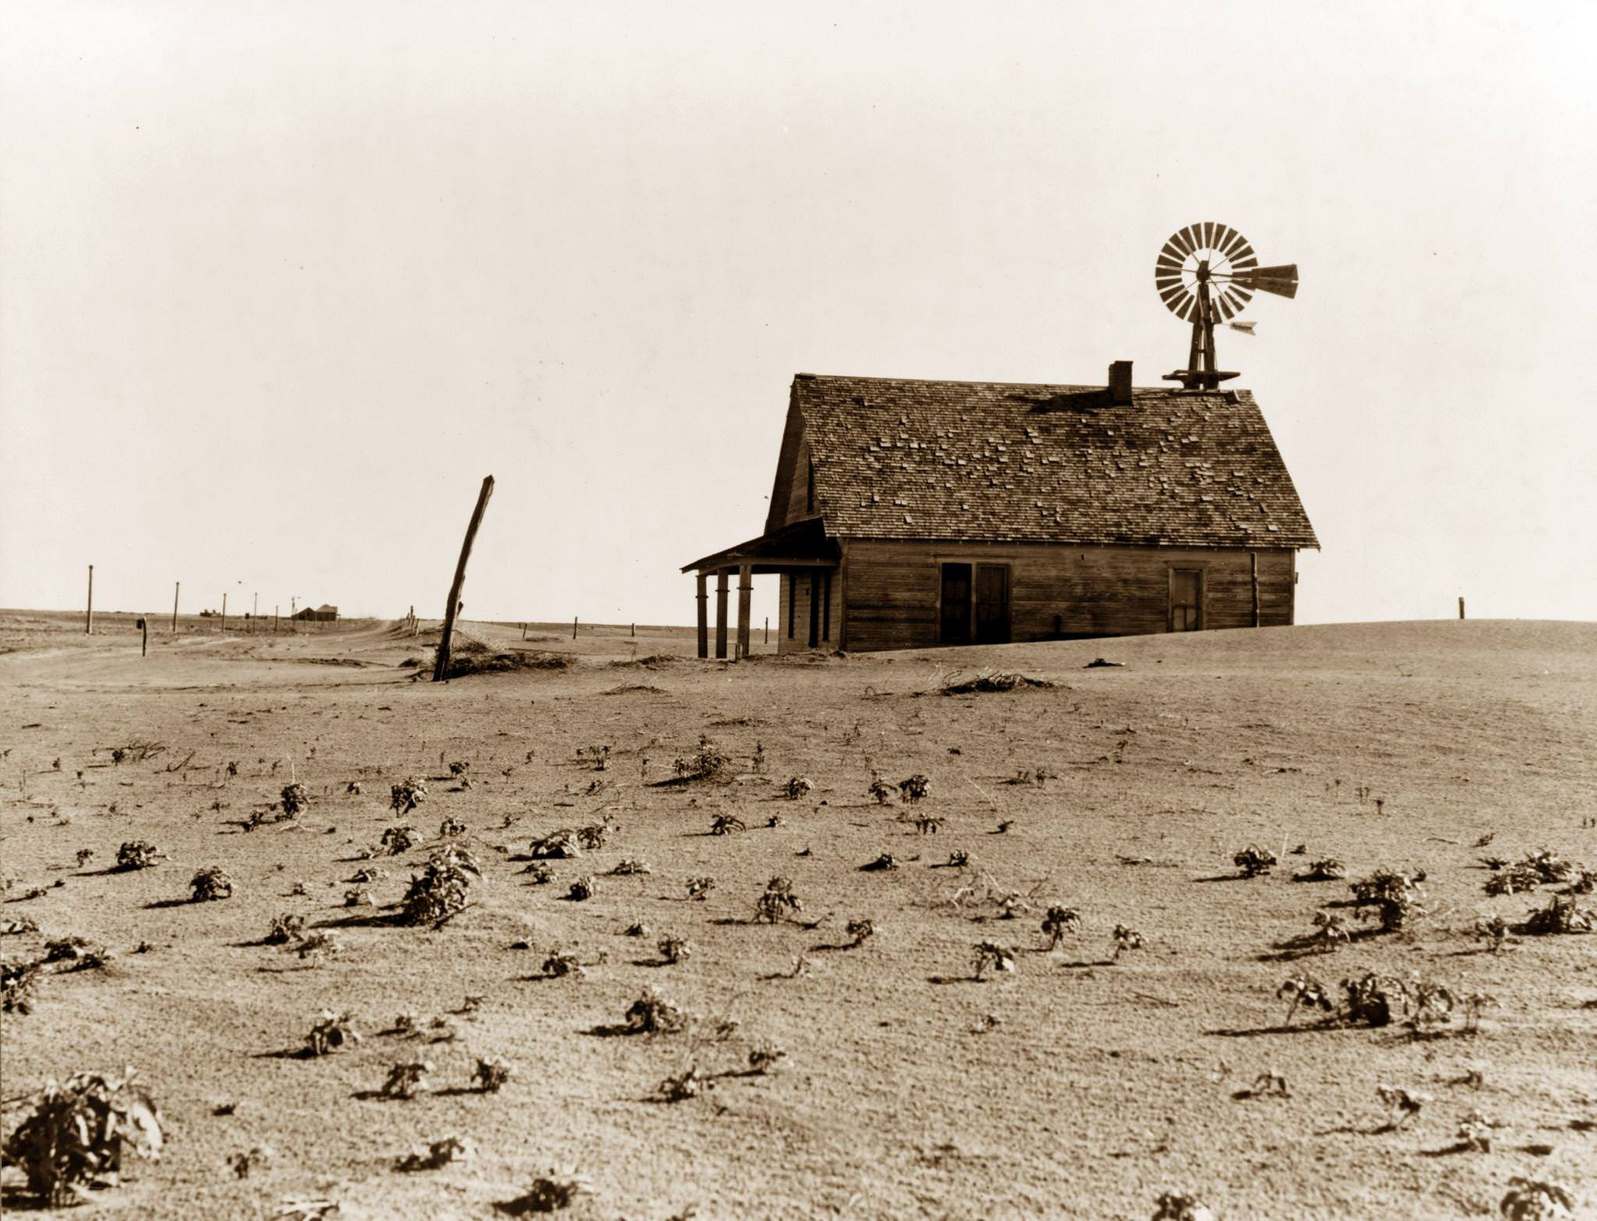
897	458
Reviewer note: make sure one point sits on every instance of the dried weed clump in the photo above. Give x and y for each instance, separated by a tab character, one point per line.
652	1013
1254	861
440	1153
330	1032
1535	1200
285	928
1392	898
407	795
406	1079
17	983
78	1134
490	1076
295	799
797	787
398	840
210	884
441	890
1057	922
137	854
1561	915
707	763
778	902
557	845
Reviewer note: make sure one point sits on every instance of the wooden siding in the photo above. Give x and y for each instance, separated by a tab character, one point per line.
1055	590
795	594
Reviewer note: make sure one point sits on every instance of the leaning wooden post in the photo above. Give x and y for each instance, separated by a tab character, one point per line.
573	627
745	593
144	641
224	612
720	614
441	665
177	588
88	627
704	617
1461	606
1253	558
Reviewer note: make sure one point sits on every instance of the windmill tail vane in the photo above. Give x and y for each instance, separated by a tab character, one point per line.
1205	274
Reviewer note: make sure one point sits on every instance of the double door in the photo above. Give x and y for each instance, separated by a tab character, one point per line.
974	604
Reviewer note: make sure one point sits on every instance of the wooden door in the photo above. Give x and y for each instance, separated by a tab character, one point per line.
992	604
1186	599
956	604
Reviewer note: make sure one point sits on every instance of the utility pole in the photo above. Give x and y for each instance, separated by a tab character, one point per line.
224	612
177	587
88	629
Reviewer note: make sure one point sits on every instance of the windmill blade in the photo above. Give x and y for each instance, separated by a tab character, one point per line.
1282	281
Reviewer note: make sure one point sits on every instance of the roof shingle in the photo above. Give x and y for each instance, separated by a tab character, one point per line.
1009	462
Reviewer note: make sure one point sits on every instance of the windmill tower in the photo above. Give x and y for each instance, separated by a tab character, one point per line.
1205	274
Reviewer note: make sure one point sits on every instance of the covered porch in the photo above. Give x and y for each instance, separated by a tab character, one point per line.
801	555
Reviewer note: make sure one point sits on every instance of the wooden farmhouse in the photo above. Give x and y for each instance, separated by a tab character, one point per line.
321	614
910	513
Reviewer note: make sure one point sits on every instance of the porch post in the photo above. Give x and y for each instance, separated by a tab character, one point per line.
704	618
720	614
745	592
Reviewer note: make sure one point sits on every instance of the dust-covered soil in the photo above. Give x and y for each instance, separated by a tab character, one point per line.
1085	1082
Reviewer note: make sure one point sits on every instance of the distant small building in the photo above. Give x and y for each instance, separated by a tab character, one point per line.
908	513
320	614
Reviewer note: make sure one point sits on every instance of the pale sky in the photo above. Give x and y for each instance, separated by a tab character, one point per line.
280	282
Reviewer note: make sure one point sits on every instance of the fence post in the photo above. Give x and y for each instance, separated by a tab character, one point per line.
88	627
1461	606
573	627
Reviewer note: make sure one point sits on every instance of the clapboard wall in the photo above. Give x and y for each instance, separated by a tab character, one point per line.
890	590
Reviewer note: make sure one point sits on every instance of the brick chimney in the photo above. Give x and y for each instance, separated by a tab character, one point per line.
1120	383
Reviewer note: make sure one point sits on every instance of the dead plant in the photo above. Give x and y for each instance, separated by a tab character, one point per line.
726	824
210	884
407	795
883	862
17	983
405	1079
778	902
1173	1207
1254	861
295	799
1535	1200
763	1057
330	1032
560	963
1391	897
708	763
557	845
593	836
698	888
1374	1000
285	928
652	1013
544	1196
859	932
685	1085
78	1134
439	1154
1561	915
400	839
881	791
674	949
441	890
490	1076
1057	922
1493	930
451	827
914	788
1330	931
1126	939
1401	1105
582	888
137	854
630	868
796	787
989	954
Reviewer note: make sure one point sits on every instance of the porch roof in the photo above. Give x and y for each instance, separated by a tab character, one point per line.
801	544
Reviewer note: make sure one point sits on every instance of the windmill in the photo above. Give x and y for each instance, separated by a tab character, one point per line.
1205	274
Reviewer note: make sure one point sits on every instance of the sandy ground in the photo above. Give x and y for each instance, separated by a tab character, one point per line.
1076	1086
